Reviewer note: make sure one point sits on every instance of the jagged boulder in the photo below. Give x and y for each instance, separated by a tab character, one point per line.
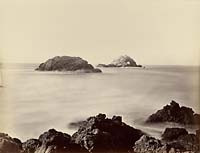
179	138
175	113
53	137
67	63
9	144
101	134
122	61
147	144
52	141
31	145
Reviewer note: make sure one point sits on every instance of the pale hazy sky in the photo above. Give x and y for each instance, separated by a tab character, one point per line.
151	31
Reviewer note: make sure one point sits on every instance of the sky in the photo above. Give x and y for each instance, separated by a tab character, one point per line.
162	32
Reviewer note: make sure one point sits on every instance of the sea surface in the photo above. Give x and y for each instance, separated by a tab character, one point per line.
32	102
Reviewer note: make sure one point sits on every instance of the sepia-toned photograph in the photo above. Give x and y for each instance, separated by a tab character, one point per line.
99	76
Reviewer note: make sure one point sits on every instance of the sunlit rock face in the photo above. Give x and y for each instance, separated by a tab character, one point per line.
122	61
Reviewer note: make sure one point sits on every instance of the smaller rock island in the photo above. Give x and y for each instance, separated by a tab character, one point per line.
67	63
122	61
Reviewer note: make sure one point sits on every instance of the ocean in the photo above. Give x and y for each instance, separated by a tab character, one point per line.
32	102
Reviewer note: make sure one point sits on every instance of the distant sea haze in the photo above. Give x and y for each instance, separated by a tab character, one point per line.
32	101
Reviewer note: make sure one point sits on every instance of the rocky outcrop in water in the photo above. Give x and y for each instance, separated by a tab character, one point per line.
174	140
67	63
175	113
101	134
122	61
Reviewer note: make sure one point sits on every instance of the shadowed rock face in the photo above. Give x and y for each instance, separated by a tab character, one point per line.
100	134
122	61
67	63
181	139
52	141
175	113
173	133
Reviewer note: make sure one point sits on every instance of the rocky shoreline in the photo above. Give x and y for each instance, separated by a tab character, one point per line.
99	134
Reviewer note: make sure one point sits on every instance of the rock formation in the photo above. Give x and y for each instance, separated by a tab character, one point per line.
52	141
122	61
174	140
67	63
173	133
101	134
8	144
147	144
175	113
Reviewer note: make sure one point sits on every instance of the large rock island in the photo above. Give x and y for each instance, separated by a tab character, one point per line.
122	61
67	63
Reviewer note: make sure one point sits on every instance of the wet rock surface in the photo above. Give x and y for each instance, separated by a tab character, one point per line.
67	63
122	61
175	113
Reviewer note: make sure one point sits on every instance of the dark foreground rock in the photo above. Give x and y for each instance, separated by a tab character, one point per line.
99	134
31	145
52	141
175	113
122	61
147	144
179	138
8	144
174	140
67	63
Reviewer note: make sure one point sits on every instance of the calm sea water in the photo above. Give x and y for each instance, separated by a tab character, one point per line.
32	102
